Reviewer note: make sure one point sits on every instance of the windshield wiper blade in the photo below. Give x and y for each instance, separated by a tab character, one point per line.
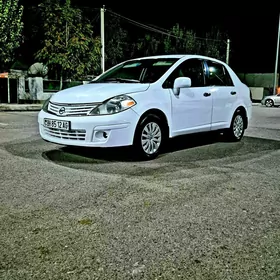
121	80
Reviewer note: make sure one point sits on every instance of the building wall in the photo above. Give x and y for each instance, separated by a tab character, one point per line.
265	80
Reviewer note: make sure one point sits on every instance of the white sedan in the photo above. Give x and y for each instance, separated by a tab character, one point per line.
143	102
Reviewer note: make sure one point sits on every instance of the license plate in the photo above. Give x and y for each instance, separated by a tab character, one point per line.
63	125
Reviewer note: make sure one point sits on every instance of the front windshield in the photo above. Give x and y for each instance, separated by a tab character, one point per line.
137	71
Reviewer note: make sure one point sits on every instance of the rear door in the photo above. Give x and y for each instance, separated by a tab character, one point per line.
223	92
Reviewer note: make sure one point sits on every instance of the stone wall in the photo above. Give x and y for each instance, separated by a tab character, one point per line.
35	85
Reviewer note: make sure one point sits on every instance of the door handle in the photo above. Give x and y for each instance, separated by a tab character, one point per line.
206	94
233	93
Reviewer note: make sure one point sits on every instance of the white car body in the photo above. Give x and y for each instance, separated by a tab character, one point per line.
190	111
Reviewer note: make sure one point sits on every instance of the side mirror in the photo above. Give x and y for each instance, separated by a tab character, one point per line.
181	82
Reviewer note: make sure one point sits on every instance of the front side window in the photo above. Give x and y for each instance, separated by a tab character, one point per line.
191	68
217	75
138	71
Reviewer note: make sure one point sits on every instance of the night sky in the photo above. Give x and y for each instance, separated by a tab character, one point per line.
253	33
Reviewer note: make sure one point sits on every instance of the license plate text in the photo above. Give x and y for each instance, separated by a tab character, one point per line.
64	125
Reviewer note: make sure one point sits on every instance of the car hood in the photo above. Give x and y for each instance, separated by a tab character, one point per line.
89	93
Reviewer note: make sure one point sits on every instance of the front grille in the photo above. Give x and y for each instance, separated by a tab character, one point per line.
77	135
64	110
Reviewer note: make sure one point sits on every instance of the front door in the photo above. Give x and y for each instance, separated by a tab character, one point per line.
192	107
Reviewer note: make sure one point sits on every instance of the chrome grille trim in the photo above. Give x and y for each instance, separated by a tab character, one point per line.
75	134
79	109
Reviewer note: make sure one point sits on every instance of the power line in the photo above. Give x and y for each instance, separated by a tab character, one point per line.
96	18
144	26
157	29
196	37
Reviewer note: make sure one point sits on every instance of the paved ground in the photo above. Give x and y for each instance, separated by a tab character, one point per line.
266	123
206	209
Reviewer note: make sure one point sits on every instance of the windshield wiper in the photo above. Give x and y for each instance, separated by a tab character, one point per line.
121	80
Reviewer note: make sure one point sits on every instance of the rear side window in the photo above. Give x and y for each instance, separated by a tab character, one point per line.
217	75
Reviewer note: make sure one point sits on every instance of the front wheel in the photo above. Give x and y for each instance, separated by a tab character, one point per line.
237	128
149	136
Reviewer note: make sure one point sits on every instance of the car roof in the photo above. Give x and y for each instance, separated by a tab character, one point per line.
179	56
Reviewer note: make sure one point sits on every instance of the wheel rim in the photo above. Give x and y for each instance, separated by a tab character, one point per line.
269	103
151	138
238	126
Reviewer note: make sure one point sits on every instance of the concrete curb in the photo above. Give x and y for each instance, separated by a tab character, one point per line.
20	107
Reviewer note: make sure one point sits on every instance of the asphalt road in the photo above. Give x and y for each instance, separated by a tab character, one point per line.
205	209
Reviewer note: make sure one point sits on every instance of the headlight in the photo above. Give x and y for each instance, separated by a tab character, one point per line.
114	105
45	104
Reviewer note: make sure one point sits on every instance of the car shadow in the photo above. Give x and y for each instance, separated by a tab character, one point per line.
193	140
127	154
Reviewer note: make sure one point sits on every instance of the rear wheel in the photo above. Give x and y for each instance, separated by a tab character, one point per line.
237	128
149	137
269	103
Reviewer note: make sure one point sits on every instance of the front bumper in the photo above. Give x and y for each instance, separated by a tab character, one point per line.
92	131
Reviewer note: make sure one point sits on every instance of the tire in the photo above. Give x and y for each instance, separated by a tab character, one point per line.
237	128
149	137
269	103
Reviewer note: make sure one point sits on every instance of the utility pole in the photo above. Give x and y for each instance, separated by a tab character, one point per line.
102	10
228	47
276	60
8	87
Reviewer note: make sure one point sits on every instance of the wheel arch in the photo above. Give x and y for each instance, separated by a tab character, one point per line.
157	112
243	111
